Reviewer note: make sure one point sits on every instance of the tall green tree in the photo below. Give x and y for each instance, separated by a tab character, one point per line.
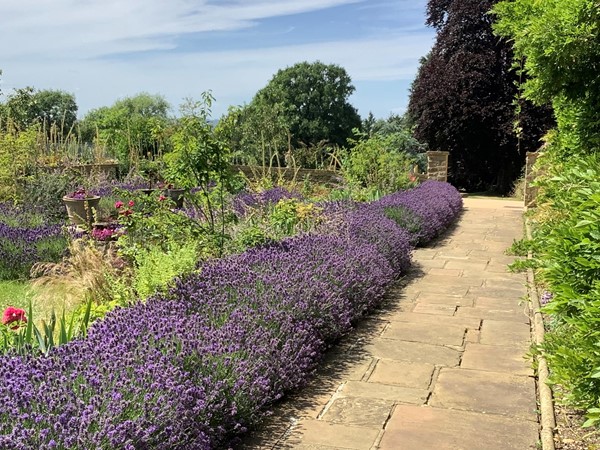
53	110
314	98
463	98
559	42
133	127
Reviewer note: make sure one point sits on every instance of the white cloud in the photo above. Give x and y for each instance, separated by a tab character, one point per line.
67	44
103	27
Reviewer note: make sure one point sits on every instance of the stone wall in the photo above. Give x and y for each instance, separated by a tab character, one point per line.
437	165
326	177
530	193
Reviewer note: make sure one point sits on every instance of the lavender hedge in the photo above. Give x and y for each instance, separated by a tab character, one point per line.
193	368
27	236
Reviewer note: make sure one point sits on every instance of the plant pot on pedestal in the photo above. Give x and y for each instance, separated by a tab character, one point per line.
176	195
81	211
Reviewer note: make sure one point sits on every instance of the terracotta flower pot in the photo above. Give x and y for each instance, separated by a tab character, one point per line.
82	211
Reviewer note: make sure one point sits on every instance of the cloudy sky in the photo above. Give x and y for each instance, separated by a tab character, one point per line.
103	50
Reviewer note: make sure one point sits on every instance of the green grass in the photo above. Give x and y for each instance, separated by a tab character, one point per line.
18	294
15	293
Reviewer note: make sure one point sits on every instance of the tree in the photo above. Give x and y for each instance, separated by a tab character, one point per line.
53	110
462	99
135	127
559	43
314	99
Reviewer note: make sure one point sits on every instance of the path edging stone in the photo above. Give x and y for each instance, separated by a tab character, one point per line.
547	419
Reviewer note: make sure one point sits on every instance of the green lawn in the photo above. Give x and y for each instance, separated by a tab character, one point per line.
18	294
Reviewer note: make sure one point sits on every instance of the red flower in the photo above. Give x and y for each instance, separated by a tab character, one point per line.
119	204
162	198
12	315
130	204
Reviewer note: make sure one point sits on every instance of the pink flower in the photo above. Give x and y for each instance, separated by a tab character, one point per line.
12	315
130	203
162	198
119	204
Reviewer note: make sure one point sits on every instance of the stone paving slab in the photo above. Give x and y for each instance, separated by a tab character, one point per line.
490	314
426	428
496	332
485	392
445	299
495	358
413	351
322	433
434	288
359	411
382	391
467	322
424	332
403	373
436	309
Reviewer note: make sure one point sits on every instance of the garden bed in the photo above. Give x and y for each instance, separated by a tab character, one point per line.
194	367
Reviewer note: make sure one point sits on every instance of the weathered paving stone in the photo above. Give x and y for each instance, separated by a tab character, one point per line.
494	358
413	351
485	392
403	373
467	322
452	278
431	308
430	263
359	411
445	299
426	428
496	332
322	433
444	273
436	288
513	292
384	392
462	265
424	332
490	314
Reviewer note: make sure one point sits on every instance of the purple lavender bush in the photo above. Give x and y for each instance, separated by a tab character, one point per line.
434	203
27	237
245	200
195	367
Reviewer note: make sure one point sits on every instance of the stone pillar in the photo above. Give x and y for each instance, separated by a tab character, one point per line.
530	191
437	166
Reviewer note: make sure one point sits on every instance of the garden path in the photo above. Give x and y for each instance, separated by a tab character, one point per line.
441	366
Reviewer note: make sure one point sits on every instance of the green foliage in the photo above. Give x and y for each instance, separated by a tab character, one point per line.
23	338
314	101
54	111
567	256
17	158
155	268
375	163
257	134
290	216
48	188
560	43
200	159
149	222
133	128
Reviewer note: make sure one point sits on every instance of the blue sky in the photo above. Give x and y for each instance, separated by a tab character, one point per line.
103	50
